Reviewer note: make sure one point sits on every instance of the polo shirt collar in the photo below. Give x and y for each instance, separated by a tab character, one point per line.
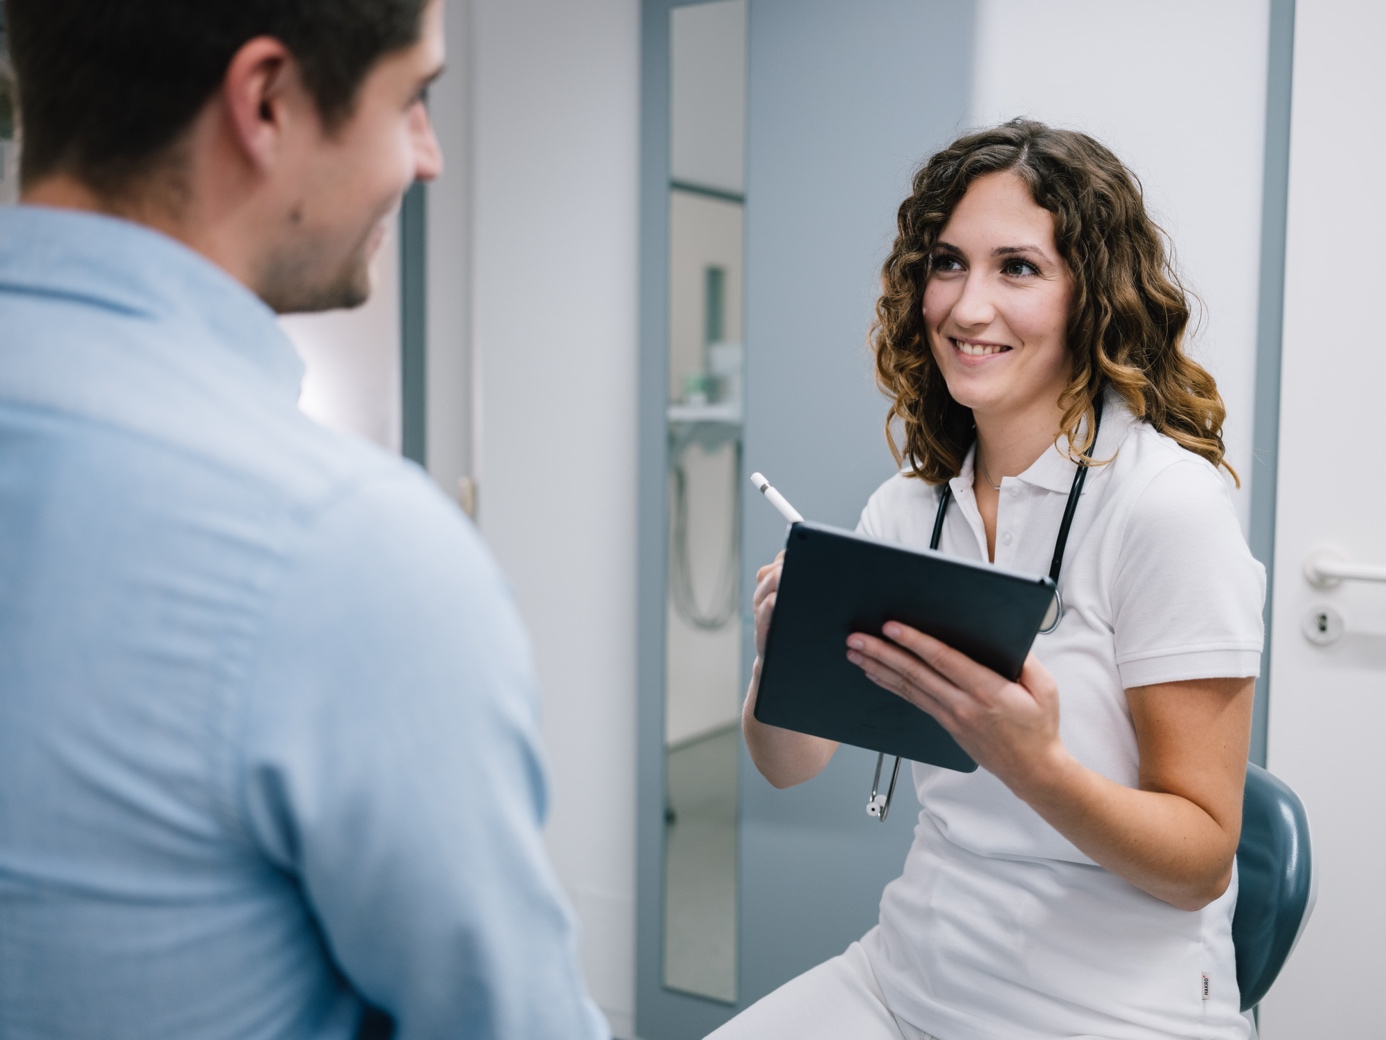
1054	470
133	269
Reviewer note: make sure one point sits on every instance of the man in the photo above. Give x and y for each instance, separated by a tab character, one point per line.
268	741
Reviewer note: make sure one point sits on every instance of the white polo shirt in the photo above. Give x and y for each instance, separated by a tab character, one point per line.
999	927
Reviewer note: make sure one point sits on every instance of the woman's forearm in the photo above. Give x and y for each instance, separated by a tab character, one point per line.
784	757
1161	842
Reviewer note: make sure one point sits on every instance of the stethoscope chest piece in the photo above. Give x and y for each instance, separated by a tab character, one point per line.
1054	614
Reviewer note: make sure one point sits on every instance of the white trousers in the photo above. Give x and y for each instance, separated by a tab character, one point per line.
839	998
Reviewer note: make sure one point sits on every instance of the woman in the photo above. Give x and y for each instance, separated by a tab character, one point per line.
1081	883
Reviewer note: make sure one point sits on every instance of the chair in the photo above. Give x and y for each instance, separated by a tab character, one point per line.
1277	884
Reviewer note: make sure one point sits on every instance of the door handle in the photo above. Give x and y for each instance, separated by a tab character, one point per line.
1327	567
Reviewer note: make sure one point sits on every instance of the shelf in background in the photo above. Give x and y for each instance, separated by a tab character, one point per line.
726	413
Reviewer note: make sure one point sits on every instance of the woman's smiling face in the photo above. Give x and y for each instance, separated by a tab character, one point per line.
996	303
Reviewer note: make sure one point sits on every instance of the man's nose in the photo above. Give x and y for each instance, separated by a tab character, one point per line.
428	156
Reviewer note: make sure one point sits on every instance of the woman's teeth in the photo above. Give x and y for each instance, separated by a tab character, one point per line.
978	349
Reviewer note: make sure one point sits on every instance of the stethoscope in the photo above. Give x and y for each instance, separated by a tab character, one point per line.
879	805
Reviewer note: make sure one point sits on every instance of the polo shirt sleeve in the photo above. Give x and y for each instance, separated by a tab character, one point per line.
1187	594
900	510
390	766
870	522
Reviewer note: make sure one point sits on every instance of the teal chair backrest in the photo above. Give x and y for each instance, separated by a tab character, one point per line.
1275	869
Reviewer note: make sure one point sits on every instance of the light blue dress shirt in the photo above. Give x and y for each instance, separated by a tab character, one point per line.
268	737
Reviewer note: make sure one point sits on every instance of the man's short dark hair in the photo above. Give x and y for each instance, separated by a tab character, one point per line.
106	87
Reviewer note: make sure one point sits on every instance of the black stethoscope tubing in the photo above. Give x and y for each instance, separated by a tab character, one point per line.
878	807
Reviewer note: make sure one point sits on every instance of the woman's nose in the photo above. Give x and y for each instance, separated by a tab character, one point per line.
974	305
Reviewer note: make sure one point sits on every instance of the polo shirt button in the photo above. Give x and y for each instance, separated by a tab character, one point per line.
1006	538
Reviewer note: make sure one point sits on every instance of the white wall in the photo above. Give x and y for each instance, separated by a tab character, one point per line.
555	189
1178	90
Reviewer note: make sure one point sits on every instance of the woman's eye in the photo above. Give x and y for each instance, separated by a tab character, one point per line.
943	263
1019	268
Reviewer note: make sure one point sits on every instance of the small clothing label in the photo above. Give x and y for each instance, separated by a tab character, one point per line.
1207	980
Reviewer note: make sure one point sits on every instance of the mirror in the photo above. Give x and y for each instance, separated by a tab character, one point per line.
703	609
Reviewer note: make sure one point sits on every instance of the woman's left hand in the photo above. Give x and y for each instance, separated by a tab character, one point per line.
1010	728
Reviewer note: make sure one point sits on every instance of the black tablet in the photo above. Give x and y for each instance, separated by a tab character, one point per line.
836	583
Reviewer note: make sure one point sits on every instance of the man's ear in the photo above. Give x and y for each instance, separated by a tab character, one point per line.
258	92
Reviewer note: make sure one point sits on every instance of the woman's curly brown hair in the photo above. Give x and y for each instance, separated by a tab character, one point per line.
1129	309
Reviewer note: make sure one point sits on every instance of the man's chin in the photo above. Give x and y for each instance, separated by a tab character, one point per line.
293	297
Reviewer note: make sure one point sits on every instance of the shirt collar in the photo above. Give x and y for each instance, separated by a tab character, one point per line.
1054	470
134	269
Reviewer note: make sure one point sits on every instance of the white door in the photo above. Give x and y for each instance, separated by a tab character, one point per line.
1327	722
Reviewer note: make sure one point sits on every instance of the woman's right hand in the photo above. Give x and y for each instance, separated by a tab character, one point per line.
763	602
783	756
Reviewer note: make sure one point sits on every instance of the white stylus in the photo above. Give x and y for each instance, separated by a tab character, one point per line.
776	499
